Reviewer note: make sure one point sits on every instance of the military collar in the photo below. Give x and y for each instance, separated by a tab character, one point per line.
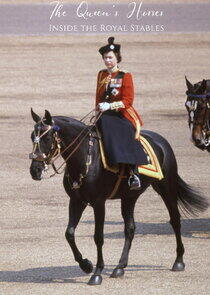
113	70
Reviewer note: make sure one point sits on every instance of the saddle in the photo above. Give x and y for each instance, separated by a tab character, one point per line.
152	169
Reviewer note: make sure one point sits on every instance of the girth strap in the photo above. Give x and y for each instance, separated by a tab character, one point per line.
118	182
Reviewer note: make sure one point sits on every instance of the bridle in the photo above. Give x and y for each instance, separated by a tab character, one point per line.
55	151
192	106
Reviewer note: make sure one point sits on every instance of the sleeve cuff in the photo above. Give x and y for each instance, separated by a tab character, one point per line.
116	105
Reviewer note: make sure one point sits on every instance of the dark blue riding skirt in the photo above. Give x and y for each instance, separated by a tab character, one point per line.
118	136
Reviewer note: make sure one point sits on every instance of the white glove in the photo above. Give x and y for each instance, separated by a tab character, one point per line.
104	106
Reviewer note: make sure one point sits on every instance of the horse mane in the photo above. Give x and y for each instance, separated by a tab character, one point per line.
68	121
208	85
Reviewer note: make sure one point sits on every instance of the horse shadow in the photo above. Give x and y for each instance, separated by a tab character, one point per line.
70	274
62	274
198	228
43	275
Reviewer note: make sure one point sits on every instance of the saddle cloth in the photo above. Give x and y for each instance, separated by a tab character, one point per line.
152	169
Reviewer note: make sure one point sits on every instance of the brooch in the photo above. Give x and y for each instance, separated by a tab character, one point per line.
115	92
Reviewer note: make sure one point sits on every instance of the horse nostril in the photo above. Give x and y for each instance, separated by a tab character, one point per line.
199	143
38	170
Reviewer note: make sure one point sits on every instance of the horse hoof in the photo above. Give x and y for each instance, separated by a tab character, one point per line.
117	273
86	265
178	266
95	280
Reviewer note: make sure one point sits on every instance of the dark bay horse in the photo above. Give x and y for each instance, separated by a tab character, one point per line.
198	107
95	184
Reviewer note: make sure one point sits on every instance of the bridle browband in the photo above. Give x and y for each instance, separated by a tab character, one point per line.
55	151
198	96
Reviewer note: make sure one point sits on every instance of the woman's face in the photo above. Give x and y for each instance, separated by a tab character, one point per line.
110	59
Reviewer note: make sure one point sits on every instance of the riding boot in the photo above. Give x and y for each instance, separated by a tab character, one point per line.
134	180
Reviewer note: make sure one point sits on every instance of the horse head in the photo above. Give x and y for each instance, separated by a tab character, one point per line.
197	105
45	144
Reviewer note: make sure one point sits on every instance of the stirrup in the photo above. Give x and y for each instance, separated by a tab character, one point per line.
134	182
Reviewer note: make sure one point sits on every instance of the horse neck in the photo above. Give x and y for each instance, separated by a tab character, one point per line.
69	130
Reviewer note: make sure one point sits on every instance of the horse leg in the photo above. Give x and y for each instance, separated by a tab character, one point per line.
127	210
76	208
99	213
170	199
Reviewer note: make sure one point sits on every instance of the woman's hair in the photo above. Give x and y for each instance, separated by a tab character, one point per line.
118	56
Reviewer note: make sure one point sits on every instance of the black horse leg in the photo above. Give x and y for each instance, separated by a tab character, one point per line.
76	208
176	224
127	208
170	199
99	212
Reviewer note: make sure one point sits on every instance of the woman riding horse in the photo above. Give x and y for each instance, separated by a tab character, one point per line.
119	123
87	182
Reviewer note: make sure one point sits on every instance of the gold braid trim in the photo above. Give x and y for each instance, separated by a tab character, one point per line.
103	158
106	80
116	105
136	119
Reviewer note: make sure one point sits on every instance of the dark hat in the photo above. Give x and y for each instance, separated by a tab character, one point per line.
110	46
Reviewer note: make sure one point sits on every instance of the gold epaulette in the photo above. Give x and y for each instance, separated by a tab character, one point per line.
103	70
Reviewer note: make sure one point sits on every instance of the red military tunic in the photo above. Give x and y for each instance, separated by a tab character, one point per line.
124	92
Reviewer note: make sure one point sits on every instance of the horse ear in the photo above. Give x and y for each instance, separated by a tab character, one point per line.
48	118
202	87
35	117
189	85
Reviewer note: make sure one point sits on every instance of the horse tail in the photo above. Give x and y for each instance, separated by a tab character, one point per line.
190	200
